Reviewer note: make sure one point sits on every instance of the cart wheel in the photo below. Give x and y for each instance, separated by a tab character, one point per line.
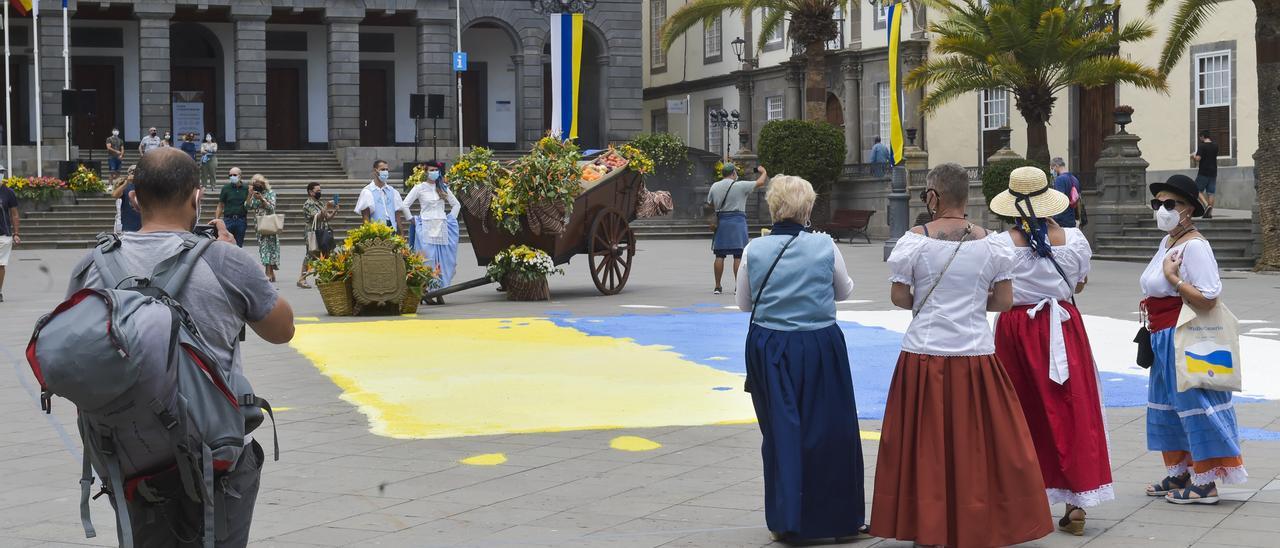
610	246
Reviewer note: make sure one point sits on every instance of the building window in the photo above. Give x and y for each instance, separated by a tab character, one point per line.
880	12
715	134
711	42
1213	98
775	39
94	37
658	121
377	42
773	108
657	17
837	43
882	99
279	40
995	109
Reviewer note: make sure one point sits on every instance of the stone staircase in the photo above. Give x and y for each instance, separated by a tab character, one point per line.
276	165
1232	240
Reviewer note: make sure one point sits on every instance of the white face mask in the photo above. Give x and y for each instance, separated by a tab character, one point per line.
208	138
383	175
1167	219
115	133
235	179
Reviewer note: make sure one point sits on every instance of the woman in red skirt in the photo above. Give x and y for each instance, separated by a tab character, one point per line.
1043	346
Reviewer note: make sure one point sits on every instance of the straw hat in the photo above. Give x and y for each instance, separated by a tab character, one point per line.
1029	191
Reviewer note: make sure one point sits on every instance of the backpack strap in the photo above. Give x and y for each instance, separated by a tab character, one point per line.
252	400
86	483
110	268
210	522
104	444
172	273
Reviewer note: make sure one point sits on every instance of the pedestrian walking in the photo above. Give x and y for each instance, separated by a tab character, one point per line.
1043	346
379	202
1194	430
9	224
1206	157
798	373
318	214
881	157
262	201
115	154
149	143
208	162
1067	184
956	465
436	225
231	208
728	199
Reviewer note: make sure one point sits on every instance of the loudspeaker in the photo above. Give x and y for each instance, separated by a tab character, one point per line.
70	102
79	101
435	106
417	106
89	101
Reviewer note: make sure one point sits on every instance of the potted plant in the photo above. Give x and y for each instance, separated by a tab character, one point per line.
36	193
471	178
85	181
1123	116
523	271
333	279
542	187
420	278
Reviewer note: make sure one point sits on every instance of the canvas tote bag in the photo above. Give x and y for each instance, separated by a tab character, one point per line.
1207	349
270	225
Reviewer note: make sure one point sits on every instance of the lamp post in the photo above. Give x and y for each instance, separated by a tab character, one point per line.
725	121
738	45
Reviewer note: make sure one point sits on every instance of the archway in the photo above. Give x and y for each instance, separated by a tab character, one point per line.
490	86
835	113
592	115
196	81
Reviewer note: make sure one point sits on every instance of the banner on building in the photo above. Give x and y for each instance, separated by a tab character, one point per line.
24	7
188	113
566	73
895	85
677	106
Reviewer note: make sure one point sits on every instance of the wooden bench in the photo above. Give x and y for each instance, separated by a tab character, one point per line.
849	221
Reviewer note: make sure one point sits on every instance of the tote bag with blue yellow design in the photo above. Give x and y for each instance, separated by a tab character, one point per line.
1207	349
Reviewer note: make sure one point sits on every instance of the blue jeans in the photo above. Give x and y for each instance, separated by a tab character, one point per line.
113	164
236	226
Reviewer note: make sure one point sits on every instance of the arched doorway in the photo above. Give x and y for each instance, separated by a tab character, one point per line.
490	95
835	113
196	79
592	115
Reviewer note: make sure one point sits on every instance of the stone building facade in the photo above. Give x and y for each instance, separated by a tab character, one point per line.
306	74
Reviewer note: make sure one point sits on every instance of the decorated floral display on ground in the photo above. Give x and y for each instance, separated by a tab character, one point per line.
36	189
523	271
85	181
334	272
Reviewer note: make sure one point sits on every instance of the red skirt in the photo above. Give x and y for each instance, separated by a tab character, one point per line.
1065	419
956	465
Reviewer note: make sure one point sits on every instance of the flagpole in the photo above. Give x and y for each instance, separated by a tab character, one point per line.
35	40
8	106
66	75
458	75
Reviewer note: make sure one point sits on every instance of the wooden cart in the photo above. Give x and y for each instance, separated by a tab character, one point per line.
599	226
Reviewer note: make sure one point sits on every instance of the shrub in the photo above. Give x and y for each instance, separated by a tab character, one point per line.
666	150
804	148
995	178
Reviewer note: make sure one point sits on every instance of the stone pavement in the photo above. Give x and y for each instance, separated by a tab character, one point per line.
336	484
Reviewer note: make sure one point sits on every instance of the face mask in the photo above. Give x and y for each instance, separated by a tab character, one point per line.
383	175
153	134
166	136
235	179
317	194
1167	219
208	138
433	175
115	133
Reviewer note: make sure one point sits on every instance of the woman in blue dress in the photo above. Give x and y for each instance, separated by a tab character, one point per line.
435	228
798	373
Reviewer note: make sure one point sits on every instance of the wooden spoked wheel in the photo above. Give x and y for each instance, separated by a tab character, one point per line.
611	246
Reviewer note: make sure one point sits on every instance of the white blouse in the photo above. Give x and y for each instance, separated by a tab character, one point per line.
432	214
953	322
1199	268
1035	278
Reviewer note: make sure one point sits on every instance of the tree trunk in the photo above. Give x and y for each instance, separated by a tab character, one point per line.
1036	107
1037	140
1267	158
815	81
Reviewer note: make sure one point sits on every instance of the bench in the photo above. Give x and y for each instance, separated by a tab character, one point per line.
849	221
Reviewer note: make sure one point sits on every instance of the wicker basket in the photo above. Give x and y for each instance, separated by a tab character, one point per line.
336	297
520	288
544	218
476	200
412	298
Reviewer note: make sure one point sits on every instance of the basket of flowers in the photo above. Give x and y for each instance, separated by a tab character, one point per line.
373	271
333	279
523	271
85	181
471	179
542	188
419	277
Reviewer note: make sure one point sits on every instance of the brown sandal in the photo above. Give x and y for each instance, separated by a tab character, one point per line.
1072	524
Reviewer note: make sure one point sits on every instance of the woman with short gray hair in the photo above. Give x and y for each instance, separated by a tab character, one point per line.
798	373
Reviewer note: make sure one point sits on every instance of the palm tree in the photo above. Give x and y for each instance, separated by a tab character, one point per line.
1187	21
1034	49
813	24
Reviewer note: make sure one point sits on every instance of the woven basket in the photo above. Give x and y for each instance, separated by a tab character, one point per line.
476	200
412	298
544	218
336	297
520	288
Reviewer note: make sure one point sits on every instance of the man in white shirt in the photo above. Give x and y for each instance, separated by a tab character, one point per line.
379	202
150	142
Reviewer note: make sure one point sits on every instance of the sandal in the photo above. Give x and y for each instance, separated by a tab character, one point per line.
303	284
1169	484
1201	494
1072	524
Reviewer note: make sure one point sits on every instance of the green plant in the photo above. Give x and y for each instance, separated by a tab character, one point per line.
811	150
521	261
85	181
417	177
36	189
334	267
666	150
1033	48
475	169
995	178
548	176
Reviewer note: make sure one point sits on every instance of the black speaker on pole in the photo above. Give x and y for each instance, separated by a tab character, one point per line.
435	106
88	102
417	106
70	102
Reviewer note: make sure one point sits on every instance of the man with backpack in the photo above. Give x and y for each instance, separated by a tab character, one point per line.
186	463
1068	184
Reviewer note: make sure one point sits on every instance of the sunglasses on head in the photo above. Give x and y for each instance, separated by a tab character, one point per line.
1169	204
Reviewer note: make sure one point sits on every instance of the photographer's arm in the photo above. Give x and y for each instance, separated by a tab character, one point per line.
764	177
277	327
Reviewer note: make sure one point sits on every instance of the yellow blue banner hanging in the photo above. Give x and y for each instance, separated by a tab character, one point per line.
566	73
895	92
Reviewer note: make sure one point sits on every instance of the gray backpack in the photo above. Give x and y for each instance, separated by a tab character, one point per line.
161	422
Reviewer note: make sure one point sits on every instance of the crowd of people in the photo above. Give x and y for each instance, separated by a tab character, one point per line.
984	428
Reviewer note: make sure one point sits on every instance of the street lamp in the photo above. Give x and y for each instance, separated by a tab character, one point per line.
726	121
561	6
738	46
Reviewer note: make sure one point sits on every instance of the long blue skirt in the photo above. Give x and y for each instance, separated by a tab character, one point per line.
803	395
445	256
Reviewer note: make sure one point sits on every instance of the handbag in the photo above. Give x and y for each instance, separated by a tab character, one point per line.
270	224
746	385
319	239
1207	349
714	221
1146	355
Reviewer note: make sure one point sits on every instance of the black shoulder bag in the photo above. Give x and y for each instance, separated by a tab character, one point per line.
746	386
714	221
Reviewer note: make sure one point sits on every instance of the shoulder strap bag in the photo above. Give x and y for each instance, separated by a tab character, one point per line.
916	311
714	222
755	303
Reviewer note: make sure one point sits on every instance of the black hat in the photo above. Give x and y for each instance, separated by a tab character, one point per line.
1182	186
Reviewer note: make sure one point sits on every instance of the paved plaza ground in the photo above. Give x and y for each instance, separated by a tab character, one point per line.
588	420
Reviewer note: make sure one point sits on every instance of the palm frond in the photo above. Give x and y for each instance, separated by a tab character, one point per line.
1103	70
949	90
1191	15
693	13
769	24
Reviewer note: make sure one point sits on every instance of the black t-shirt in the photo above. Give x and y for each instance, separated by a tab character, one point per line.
1208	153
8	201
130	220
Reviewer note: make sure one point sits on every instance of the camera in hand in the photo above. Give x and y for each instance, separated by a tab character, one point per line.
208	231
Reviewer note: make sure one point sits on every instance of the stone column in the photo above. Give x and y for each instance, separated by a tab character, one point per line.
795	104
607	111
436	42
532	123
745	107
54	126
153	65
852	71
344	77
517	61
251	75
1122	186
912	119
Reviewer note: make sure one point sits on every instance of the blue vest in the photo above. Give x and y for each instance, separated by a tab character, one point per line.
800	295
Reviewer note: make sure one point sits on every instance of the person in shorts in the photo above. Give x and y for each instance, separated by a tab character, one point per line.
8	230
1207	176
115	153
728	198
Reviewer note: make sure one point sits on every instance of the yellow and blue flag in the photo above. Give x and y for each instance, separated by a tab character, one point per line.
894	17
1211	361
24	7
566	73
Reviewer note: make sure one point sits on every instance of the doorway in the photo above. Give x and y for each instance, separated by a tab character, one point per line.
91	131
835	113
196	67
197	79
475	98
285	105
1093	123
375	105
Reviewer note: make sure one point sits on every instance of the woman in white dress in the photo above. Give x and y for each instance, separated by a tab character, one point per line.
436	225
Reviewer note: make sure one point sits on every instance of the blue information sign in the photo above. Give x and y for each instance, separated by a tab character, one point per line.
460	61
